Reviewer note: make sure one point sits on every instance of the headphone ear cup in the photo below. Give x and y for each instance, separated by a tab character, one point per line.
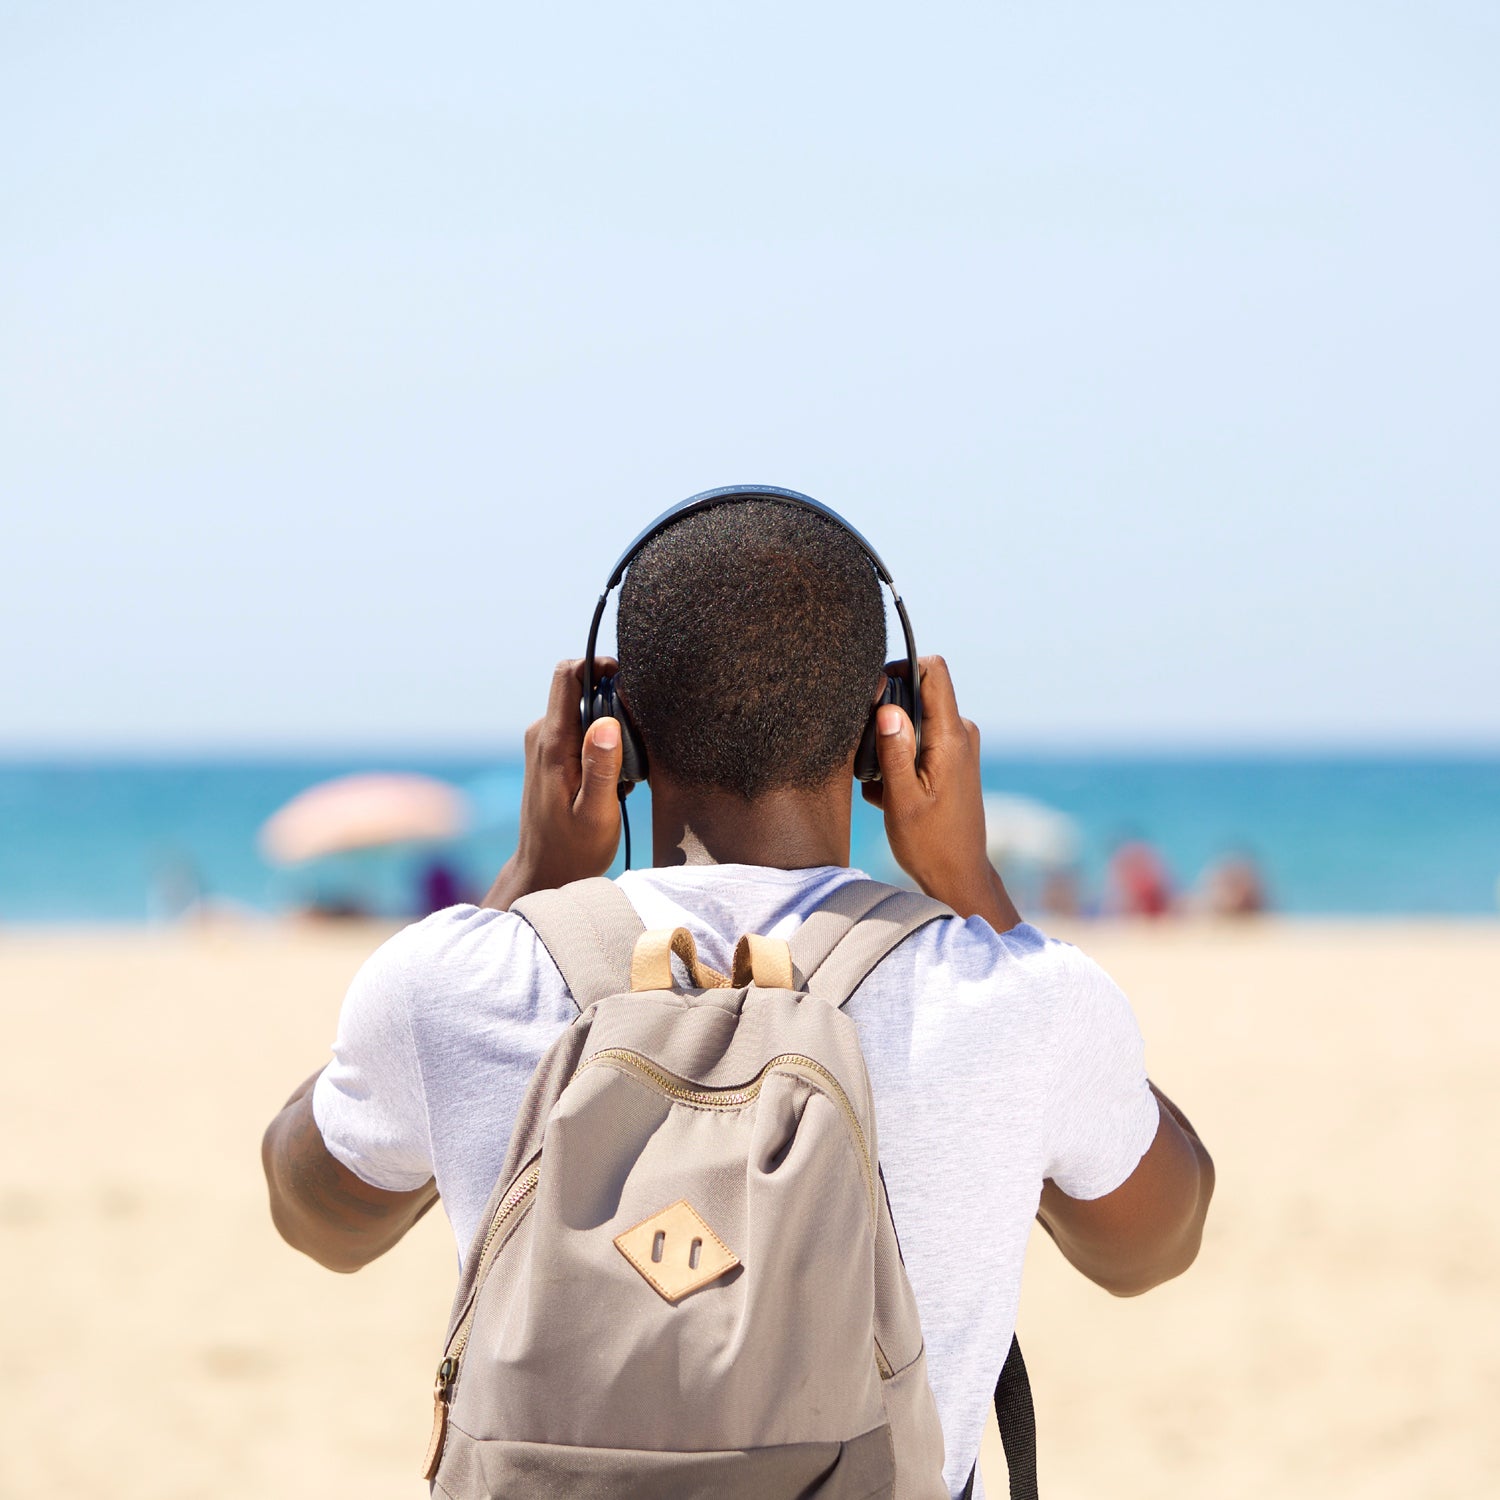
898	691
867	758
607	705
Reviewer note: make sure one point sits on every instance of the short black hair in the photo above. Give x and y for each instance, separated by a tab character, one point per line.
752	638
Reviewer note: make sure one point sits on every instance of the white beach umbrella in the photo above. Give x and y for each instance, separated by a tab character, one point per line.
363	812
1019	829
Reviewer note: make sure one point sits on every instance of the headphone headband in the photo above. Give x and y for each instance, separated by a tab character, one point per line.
707	499
729	494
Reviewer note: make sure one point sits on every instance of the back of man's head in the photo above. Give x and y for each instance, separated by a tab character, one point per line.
752	637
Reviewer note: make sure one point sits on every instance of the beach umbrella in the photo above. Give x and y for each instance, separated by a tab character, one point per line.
1019	829
363	812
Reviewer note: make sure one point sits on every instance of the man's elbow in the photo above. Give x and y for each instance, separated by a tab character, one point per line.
313	1238
1134	1281
320	1207
1175	1249
329	1258
302	1229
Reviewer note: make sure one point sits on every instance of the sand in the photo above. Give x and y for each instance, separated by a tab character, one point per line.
1339	1337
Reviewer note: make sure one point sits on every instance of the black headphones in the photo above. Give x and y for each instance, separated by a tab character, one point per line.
600	700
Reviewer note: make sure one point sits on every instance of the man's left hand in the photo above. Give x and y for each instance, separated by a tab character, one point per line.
570	809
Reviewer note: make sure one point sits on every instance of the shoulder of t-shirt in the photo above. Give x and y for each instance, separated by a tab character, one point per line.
454	930
446	956
1045	986
972	949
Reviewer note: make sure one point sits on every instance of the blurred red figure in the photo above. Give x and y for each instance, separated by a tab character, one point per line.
1138	882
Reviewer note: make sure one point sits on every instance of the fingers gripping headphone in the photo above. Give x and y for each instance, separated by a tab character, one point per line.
601	698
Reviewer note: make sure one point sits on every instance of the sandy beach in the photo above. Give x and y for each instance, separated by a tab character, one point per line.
1340	1336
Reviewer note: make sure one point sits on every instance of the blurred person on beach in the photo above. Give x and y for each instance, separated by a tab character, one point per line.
1007	1068
439	886
177	892
1233	887
1061	893
1137	883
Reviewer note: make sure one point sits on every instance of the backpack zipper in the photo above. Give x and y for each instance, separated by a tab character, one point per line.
508	1212
742	1094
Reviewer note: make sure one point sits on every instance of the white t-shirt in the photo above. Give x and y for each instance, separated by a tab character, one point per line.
996	1061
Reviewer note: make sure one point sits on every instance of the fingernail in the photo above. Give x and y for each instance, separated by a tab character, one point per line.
606	734
888	720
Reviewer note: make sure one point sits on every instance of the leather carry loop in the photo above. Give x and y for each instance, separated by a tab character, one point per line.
651	963
762	961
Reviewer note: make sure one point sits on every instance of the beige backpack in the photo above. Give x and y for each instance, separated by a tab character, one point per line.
687	1282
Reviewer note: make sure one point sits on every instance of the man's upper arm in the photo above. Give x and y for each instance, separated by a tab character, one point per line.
322	1208
348	1181
1128	1181
1149	1228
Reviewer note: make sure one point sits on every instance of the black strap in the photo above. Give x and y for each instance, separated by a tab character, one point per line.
1016	1417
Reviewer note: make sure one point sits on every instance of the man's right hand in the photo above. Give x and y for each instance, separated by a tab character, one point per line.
934	808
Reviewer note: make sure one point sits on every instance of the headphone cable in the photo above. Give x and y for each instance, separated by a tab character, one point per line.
625	823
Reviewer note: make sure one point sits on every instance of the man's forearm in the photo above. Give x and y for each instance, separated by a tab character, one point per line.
318	1205
513	882
981	894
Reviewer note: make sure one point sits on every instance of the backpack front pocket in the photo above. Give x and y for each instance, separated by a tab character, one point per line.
773	1351
859	1469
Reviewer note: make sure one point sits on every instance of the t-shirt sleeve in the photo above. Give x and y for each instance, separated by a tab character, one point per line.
369	1103
1101	1115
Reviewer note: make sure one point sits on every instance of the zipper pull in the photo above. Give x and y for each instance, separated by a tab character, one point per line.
442	1391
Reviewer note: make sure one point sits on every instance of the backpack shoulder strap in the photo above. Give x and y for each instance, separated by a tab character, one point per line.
838	944
589	929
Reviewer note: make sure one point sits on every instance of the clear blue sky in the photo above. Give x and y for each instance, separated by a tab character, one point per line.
1155	346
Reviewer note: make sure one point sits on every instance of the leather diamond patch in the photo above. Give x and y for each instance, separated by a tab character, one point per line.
676	1251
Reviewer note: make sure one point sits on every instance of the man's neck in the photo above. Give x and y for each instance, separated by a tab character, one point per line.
785	830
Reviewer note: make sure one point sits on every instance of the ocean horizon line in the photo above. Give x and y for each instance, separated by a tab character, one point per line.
371	752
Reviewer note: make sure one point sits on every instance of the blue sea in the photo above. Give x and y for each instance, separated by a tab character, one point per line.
132	841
